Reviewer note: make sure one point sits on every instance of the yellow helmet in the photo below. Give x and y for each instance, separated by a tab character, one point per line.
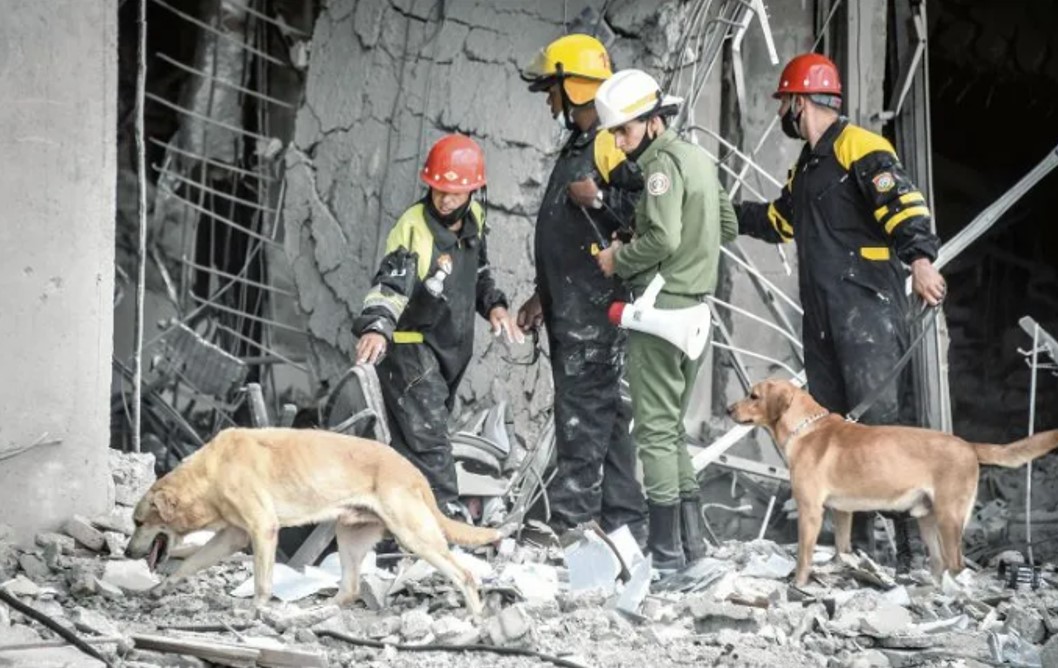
579	62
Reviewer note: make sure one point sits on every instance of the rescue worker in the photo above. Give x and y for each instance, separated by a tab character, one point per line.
590	195
681	220
857	219
418	318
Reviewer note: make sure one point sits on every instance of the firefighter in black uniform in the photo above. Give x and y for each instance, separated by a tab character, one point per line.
435	274
857	220
591	194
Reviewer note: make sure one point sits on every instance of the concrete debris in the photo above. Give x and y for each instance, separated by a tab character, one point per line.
283	617
415	624
511	627
81	530
131	575
637	588
774	565
21	586
63	543
34	566
133	474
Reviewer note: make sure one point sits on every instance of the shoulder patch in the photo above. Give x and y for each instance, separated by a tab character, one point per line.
883	182
658	183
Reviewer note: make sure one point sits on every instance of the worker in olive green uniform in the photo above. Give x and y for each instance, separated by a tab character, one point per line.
681	220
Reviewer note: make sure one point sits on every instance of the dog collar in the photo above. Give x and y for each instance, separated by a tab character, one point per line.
801	426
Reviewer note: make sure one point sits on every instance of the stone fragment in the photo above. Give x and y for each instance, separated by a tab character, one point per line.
512	626
34	567
415	624
84	533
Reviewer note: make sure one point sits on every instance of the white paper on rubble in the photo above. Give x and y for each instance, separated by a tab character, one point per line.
289	585
626	545
592	564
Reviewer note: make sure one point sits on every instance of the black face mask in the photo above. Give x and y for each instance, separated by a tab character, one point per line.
452	218
644	144
790	123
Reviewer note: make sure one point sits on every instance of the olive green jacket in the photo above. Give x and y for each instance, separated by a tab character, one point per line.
681	220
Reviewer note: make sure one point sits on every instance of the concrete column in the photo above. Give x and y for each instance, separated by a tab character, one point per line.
58	71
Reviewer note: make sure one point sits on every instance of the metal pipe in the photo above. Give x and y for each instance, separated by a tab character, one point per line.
141	231
207	119
205	75
756	318
774	288
743	351
211	161
213	191
282	25
215	216
235	277
220	33
259	346
232	311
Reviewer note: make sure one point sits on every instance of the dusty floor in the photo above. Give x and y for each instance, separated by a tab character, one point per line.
738	610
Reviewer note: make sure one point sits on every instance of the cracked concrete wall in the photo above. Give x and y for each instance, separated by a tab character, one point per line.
386	79
58	67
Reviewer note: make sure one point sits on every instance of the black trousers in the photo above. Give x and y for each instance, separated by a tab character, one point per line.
418	404
595	477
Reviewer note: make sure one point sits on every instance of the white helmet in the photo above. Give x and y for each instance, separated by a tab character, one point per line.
629	94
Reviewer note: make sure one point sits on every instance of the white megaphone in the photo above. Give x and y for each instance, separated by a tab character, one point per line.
685	328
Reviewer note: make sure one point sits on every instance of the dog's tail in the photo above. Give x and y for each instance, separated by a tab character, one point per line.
1017	453
460	533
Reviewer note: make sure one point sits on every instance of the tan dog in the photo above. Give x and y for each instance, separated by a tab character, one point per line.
849	467
247	483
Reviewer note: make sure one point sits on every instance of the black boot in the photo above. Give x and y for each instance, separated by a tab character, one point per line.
691	532
664	541
902	531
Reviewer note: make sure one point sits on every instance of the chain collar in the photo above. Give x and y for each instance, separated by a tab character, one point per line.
802	425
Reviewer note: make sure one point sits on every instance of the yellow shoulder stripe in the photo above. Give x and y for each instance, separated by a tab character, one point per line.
413	234
854	142
607	155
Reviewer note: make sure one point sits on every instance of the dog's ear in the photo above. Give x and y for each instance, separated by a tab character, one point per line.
165	503
778	400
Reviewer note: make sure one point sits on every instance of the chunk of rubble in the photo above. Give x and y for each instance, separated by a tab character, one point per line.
885	620
1027	623
511	627
454	631
81	530
20	585
62	542
284	617
711	617
537	582
93	621
415	624
774	566
33	566
132	473
119	519
130	575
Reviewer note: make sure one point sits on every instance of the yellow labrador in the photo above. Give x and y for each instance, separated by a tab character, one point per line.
247	483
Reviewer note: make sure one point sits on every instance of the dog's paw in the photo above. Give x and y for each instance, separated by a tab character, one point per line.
343	599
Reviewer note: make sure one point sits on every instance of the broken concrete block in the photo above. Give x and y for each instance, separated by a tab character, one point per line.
373	590
774	566
1027	622
81	579
871	658
384	628
1049	653
108	590
712	617
133	575
511	627
84	533
119	519
34	566
537	582
454	631
284	617
93	621
49	656
64	543
885	620
415	624
133	474
116	542
20	585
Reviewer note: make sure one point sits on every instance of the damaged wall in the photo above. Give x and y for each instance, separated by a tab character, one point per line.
386	80
57	129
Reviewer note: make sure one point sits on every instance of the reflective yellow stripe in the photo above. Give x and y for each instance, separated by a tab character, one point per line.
909	198
779	223
640	103
407	337
877	253
909	212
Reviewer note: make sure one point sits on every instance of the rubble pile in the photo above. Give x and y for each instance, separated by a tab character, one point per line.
588	601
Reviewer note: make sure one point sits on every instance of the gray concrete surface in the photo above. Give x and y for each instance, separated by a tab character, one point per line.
385	81
57	155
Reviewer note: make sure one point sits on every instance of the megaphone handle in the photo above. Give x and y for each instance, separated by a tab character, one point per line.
650	295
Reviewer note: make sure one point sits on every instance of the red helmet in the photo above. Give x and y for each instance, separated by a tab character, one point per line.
809	73
456	164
